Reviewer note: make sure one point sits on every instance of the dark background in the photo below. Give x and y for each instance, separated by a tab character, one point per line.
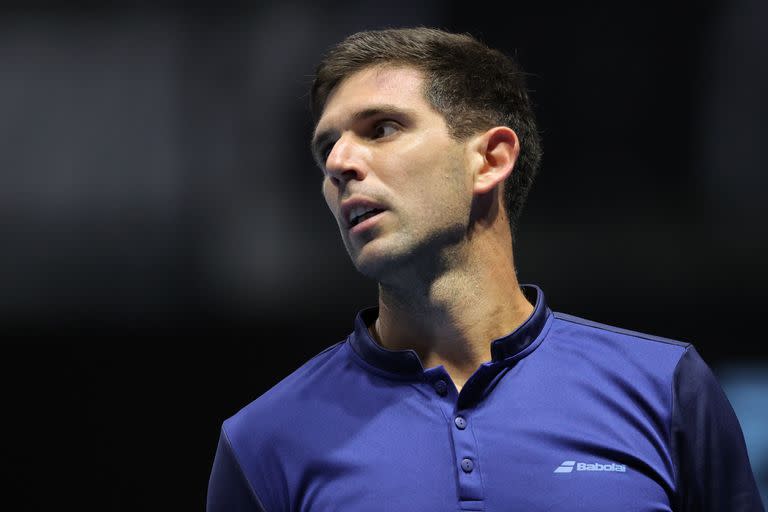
167	255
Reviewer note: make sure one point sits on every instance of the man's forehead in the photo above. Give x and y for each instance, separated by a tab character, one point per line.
388	77
376	85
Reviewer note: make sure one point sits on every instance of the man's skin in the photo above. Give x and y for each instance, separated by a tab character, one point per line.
441	249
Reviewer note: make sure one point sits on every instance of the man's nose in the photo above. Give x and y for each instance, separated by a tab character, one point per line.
345	161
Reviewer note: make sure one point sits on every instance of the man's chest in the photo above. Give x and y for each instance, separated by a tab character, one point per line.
540	461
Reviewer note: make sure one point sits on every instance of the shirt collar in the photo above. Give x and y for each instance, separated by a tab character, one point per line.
406	362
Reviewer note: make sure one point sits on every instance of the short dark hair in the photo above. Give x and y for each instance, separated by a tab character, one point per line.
473	86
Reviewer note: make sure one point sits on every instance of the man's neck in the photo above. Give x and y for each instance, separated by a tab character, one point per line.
452	319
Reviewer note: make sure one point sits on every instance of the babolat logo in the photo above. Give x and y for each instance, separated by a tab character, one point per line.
568	465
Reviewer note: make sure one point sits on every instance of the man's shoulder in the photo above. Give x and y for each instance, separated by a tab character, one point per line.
291	395
603	340
582	326
615	356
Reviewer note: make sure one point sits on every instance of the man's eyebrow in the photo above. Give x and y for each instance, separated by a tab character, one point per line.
376	110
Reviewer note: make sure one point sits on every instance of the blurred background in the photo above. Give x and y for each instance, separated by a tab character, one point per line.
167	255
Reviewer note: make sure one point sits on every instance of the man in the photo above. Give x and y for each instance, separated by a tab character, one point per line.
462	390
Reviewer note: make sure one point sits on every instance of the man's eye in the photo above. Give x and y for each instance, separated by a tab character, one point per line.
384	129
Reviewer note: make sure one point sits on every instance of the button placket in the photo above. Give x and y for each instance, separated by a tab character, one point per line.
441	387
470	485
465	450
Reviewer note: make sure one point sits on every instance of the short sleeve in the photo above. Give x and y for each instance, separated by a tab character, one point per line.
713	469
228	489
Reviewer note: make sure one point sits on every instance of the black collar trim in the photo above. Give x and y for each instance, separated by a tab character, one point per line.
406	362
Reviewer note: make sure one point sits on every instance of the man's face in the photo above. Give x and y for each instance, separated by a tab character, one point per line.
393	177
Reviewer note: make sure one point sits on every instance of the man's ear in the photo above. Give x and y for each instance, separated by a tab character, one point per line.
495	152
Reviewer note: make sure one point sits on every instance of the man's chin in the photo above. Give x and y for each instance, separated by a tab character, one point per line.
378	266
370	267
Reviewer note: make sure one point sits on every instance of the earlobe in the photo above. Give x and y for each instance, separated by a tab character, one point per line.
498	150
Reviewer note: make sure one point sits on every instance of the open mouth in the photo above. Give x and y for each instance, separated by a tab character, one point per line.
356	218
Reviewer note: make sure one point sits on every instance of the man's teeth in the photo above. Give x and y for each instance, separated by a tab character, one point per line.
360	213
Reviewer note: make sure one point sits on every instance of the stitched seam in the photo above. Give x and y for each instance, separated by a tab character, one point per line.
674	399
242	472
617	330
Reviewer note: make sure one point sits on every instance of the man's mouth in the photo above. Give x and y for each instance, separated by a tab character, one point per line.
362	213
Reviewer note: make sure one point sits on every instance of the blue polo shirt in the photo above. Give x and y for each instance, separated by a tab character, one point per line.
568	415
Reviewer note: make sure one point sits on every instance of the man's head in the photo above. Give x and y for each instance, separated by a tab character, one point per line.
449	82
474	87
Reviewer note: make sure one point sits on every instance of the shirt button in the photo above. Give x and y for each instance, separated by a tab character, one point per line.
441	387
460	422
467	465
